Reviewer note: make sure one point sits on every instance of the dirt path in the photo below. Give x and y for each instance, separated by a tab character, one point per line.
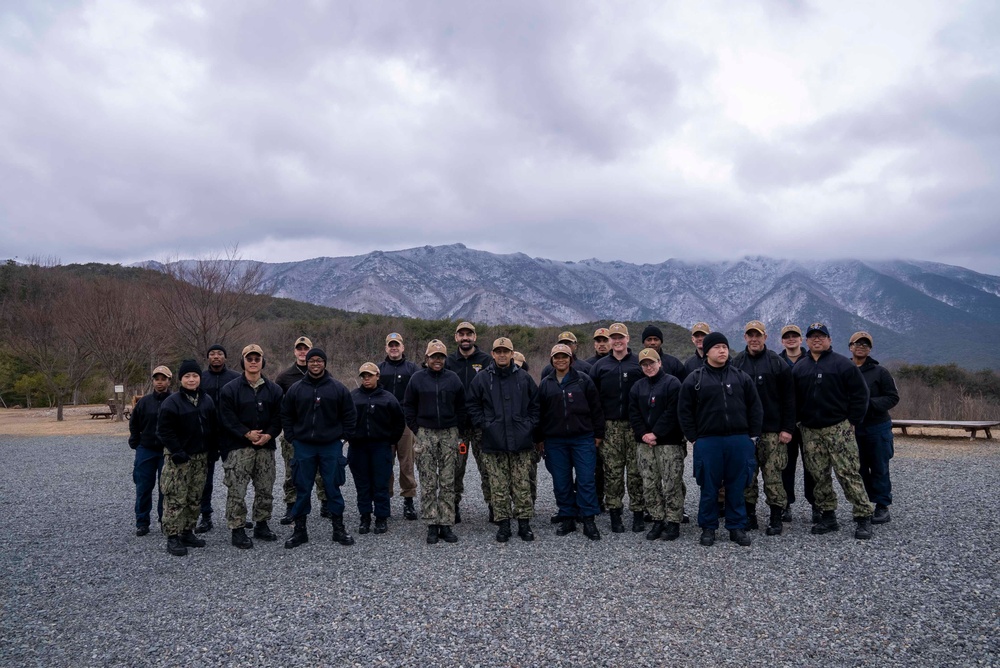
42	422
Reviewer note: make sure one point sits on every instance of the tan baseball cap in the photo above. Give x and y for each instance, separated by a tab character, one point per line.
434	346
649	354
567	336
856	336
503	342
368	367
755	326
252	348
602	332
465	325
394	336
701	327
303	340
560	348
617	328
162	370
790	328
519	358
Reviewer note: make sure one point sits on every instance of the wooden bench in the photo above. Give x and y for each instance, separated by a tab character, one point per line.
970	426
110	413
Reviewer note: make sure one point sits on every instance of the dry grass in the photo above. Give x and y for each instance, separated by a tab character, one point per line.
42	422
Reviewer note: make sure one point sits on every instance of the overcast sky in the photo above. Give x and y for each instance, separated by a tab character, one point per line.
631	130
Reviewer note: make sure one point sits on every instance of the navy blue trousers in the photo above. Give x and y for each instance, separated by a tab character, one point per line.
876	448
718	461
563	458
329	459
371	466
146	474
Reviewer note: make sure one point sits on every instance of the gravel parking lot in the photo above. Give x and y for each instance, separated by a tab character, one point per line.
79	588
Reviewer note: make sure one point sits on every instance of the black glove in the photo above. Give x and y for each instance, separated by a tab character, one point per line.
180	458
134	447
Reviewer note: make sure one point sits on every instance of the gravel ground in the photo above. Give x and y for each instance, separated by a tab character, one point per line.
79	588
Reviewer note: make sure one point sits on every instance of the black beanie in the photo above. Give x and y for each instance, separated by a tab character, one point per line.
652	330
712	340
316	352
188	366
217	347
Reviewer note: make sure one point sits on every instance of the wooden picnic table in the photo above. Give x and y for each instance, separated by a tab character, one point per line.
971	426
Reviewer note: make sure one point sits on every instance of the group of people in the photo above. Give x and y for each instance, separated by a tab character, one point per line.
617	424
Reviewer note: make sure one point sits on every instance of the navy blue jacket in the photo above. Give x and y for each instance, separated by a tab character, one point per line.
395	376
212	383
572	408
142	424
435	400
719	402
882	392
652	408
614	379
243	408
504	404
380	417
183	427
829	390
318	411
784	356
773	378
696	361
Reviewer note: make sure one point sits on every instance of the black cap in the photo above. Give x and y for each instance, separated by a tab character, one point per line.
217	347
714	339
316	352
188	366
652	330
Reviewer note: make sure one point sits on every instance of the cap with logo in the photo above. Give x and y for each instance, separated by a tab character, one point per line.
649	354
503	342
857	336
394	336
617	328
701	327
465	325
561	348
163	371
755	326
567	336
368	367
435	347
252	348
817	327
794	329
303	340
602	332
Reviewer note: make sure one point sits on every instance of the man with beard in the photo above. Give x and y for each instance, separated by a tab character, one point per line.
213	379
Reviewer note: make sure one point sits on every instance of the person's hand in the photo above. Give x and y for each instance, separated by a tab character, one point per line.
540	448
649	439
262	440
785	437
598	442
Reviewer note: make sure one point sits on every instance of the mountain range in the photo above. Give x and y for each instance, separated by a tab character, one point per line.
920	312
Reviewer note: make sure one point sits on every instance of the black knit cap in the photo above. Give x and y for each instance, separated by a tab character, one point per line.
652	330
316	352
714	339
218	347
188	366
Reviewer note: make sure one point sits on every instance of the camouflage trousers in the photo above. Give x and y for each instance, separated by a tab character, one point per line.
403	451
772	458
437	455
662	468
473	439
510	483
241	467
835	447
181	485
619	456
288	486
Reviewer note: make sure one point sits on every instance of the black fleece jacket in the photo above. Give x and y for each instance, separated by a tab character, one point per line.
614	378
568	409
183	427
882	392
318	411
466	369
719	402
394	376
435	400
244	408
290	376
652	408
380	417
829	390
142	424
503	402
773	378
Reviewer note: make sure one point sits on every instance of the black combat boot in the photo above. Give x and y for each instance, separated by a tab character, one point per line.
190	540
524	531
409	512
241	539
458	515
774	525
590	528
340	534
175	547
432	534
616	520
447	534
300	535
638	521
381	525
204	524
752	516
786	514
864	530
740	537
707	537
503	531
671	531
881	515
263	532
142	530
817	515
656	531
325	513
827	523
558	519
287	519
566	527
366	524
